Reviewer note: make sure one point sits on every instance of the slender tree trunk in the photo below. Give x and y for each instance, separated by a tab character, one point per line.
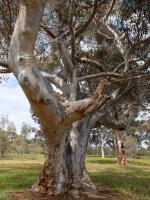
120	150
102	149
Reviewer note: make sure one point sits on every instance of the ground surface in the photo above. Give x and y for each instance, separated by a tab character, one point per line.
114	183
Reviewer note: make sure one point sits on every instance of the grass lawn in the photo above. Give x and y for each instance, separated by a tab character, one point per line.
133	179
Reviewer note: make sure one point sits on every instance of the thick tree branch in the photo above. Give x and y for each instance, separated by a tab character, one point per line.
52	113
23	65
76	110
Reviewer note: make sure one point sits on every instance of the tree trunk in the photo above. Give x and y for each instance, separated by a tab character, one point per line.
120	150
55	173
64	169
102	149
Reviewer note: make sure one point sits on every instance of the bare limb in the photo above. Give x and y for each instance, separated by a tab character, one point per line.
99	75
58	82
48	32
91	62
123	63
126	58
66	59
105	35
116	37
74	86
72	32
131	78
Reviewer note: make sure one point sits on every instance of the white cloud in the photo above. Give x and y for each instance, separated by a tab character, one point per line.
14	103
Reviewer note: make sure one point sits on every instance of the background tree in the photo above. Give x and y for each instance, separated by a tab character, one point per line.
101	137
25	131
7	135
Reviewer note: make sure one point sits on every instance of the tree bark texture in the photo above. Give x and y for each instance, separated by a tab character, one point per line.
64	169
120	149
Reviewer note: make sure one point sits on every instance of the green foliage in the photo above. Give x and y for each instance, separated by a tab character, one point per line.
130	146
4	144
13	144
25	130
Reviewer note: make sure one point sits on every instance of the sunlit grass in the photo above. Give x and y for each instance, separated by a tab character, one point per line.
133	179
17	178
19	174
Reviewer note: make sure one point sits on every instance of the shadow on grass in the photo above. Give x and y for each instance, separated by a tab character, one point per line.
126	180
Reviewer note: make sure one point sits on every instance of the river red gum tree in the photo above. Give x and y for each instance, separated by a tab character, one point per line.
66	121
66	138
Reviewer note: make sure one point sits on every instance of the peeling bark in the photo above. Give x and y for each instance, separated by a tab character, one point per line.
64	169
120	149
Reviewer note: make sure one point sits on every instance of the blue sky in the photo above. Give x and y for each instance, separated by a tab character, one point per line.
14	103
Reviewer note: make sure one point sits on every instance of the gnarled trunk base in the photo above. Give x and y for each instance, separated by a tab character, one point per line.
62	173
